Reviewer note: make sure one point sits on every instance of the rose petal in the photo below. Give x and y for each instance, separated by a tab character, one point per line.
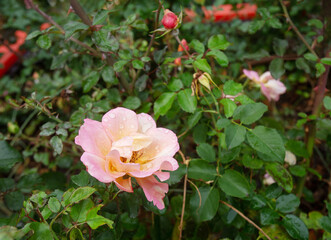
163	176
124	184
164	143
96	167
120	122
252	75
274	89
92	138
145	122
150	167
154	190
124	147
265	91
265	77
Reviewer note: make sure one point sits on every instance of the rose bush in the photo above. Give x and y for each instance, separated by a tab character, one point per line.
124	145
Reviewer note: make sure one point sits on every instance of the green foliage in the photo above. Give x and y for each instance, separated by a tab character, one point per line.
232	140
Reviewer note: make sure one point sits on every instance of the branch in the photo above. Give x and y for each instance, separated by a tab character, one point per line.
246	218
296	30
80	12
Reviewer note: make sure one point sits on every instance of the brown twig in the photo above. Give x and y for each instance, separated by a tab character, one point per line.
186	162
246	218
296	30
80	12
49	19
270	58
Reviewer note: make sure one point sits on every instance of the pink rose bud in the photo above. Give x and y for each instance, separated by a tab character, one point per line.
169	20
184	43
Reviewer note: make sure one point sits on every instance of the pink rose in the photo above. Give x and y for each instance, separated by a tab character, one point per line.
270	87
124	145
169	20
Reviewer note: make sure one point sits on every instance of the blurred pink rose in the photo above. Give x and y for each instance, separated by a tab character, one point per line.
124	145
270	87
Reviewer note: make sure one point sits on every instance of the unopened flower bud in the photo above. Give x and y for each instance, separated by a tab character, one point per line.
169	20
184	43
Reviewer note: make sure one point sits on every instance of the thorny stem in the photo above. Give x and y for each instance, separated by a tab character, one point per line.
180	227
246	218
296	30
49	19
80	12
156	23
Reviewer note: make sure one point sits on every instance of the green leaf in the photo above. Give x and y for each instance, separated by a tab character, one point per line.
243	99
229	107
276	68
197	46
295	227
234	135
326	223
302	64
281	175
8	156
201	170
71	27
229	155
41	231
209	204
320	69
220	57
202	65
287	203
108	75
298	170
280	46
79	211
268	142
81	179
186	101
175	84
194	119
326	61
119	65
274	23
44	41
80	194
90	81
94	220
33	34
54	204
234	184
57	145
218	42
14	200
250	113
297	147
100	17
6	184
138	64
132	103
253	163
311	57
163	104
76	234
327	102
206	152
255	26
268	216
315	22
232	88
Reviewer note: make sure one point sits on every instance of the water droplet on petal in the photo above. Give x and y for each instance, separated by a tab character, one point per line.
132	126
121	126
112	115
124	118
